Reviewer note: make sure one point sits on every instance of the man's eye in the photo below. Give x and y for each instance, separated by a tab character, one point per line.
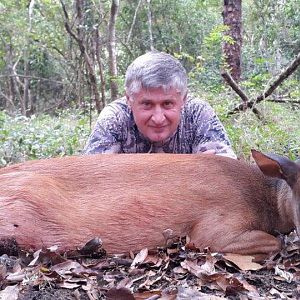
168	104
146	104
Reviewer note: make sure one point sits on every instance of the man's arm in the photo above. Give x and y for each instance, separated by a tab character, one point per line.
210	133
106	136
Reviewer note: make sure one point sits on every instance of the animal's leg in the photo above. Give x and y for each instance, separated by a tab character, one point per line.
253	242
249	242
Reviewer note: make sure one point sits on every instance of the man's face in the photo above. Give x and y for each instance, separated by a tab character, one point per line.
157	112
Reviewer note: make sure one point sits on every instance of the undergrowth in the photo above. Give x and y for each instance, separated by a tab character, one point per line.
42	136
65	133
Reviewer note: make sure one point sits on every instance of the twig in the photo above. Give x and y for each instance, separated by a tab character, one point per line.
289	101
133	21
282	76
250	104
32	77
227	77
245	104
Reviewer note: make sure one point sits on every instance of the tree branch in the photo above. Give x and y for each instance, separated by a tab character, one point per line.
31	77
8	99
227	77
287	101
250	104
133	21
281	77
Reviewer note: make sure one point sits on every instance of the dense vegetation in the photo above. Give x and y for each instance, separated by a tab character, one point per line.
39	56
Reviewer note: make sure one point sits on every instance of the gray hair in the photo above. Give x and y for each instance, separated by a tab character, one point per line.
155	70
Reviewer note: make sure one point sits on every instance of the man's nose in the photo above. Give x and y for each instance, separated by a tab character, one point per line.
158	116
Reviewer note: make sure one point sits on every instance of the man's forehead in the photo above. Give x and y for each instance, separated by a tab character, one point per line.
163	95
160	91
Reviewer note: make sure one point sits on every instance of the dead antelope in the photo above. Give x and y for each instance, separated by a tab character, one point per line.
129	201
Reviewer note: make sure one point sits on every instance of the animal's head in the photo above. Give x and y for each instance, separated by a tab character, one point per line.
282	167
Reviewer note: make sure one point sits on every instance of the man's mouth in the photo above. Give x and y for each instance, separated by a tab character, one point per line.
158	128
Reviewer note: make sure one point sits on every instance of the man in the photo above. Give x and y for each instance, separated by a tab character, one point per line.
157	114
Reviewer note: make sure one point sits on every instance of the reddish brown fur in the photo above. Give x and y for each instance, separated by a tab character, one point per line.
130	200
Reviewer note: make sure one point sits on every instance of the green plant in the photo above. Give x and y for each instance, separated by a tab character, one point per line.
44	136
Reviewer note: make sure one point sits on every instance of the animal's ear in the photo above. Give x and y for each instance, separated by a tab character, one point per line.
277	166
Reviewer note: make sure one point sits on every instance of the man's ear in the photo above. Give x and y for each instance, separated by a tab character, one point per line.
128	99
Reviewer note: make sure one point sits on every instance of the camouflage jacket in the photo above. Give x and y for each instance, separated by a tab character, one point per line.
199	130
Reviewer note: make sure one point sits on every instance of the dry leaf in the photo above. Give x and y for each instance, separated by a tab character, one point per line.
147	295
16	277
154	259
244	262
179	270
160	274
10	293
287	276
119	294
68	285
140	257
189	293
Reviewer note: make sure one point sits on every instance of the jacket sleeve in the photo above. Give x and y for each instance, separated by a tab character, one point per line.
106	136
210	133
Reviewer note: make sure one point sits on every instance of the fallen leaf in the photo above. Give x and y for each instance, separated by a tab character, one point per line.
125	282
91	246
3	272
147	295
46	256
179	270
119	294
140	257
244	262
275	293
68	285
197	270
154	259
189	293
287	276
65	267
16	277
11	292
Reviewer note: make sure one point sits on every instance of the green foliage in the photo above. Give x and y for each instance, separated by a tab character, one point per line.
277	132
271	34
212	56
256	82
65	134
191	30
43	136
215	37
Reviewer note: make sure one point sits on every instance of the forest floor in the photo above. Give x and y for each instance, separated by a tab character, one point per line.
176	272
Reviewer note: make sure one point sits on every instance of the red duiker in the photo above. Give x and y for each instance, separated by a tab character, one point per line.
130	200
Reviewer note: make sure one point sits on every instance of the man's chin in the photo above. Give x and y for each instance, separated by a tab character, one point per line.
158	138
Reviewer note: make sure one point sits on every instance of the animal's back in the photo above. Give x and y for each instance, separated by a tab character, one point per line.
136	196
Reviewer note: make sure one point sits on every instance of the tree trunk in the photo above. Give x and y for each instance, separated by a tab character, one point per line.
17	83
79	38
232	17
10	96
112	49
27	105
133	21
150	25
100	66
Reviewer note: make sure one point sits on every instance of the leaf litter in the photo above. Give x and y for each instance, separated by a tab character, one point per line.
179	271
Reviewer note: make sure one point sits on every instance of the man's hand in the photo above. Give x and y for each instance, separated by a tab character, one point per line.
210	151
